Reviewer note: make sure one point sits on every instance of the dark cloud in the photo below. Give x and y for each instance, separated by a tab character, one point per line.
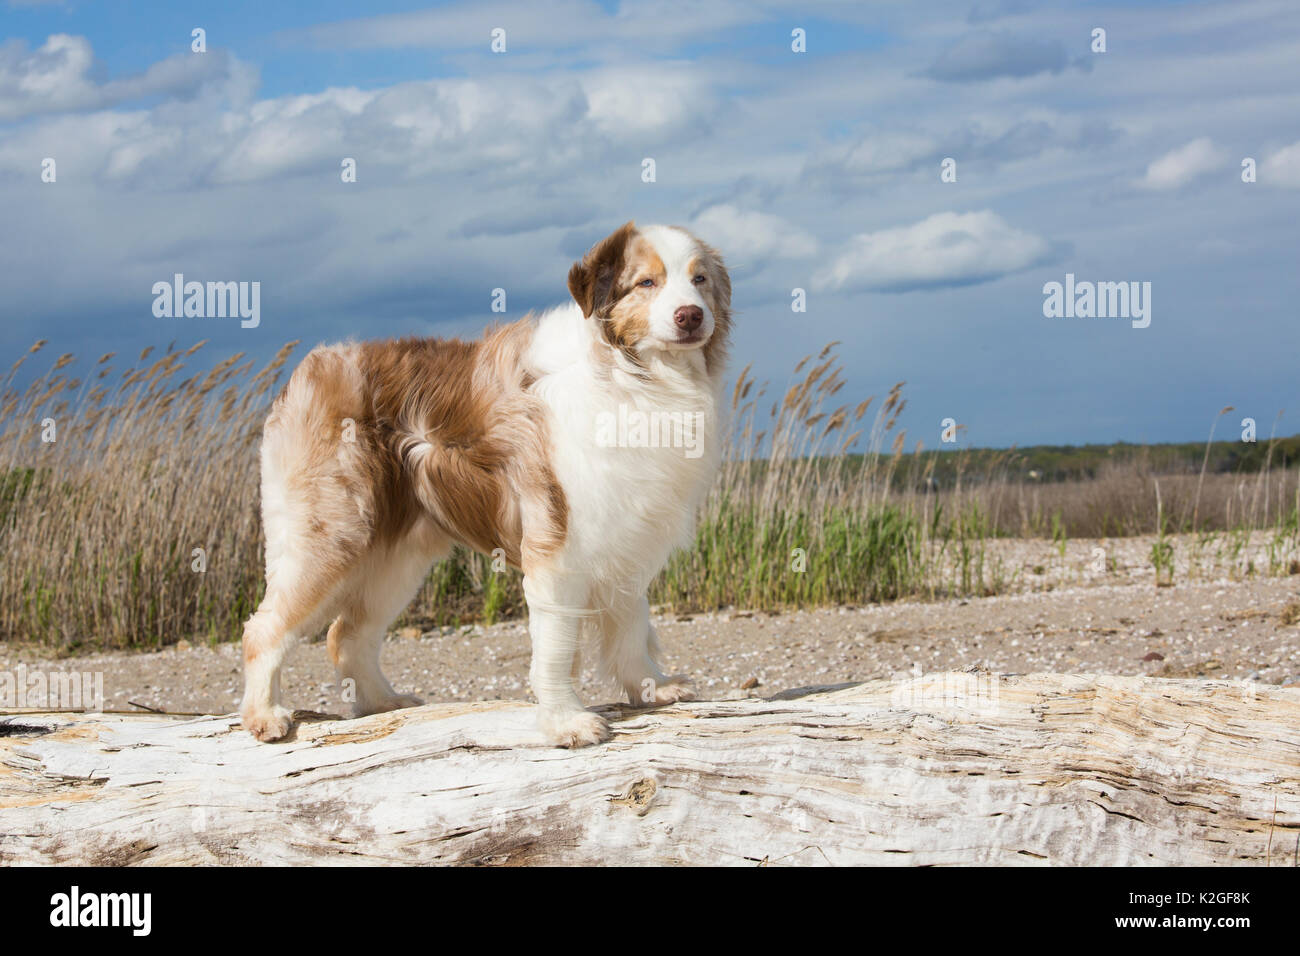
987	54
529	216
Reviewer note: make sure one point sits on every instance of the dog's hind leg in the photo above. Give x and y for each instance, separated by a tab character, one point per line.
313	540
297	602
323	504
381	585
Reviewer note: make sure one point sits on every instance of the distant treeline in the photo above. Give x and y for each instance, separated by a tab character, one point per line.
1049	463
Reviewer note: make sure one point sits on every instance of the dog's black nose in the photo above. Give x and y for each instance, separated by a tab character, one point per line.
688	318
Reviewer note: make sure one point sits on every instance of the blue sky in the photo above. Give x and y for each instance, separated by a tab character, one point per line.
816	170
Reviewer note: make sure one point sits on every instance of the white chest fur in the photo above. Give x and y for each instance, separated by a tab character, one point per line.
635	454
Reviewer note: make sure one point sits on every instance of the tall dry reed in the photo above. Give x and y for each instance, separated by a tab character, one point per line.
137	524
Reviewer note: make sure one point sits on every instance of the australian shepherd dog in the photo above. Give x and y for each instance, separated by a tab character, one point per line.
537	443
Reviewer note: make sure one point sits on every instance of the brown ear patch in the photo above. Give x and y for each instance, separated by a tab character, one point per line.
591	281
625	320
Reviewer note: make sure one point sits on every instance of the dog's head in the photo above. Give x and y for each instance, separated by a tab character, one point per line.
656	288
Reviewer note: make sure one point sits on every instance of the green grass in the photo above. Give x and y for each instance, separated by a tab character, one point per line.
795	558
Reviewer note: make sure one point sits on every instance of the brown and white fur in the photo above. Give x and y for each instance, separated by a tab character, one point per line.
378	456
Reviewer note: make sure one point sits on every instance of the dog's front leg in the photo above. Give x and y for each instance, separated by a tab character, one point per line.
557	607
630	651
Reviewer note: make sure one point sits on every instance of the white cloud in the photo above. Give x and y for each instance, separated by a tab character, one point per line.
945	249
52	77
1282	168
882	155
747	237
633	101
1180	166
57	78
541	130
887	152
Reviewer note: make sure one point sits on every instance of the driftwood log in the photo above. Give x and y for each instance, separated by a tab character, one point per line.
940	769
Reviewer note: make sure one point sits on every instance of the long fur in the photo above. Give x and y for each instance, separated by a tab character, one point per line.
379	456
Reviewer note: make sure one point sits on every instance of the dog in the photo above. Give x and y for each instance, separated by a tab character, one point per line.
378	457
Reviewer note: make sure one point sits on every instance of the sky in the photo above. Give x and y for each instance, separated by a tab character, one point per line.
922	172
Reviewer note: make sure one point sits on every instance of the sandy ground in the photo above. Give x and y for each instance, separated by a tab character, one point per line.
1063	614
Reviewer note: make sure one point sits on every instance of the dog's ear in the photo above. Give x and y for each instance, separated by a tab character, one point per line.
591	281
718	289
717	292
719	284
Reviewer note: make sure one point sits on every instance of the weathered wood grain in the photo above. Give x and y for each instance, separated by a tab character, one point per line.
942	769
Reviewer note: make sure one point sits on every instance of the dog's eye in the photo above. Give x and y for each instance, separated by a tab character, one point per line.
698	280
646	283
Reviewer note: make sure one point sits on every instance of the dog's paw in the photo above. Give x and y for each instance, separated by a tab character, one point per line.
268	724
668	691
384	704
674	689
573	729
